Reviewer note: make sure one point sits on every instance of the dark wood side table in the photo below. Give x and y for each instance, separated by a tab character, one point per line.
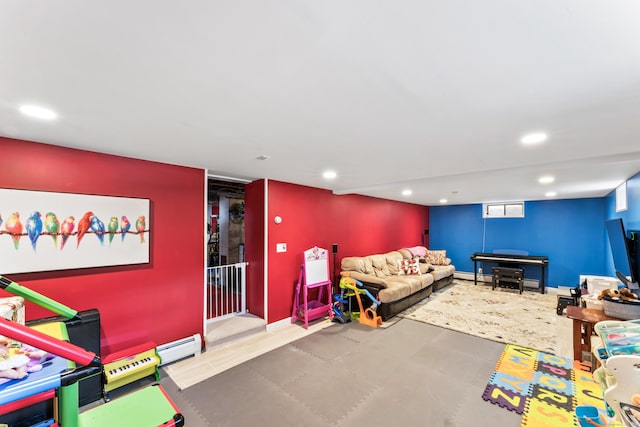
583	321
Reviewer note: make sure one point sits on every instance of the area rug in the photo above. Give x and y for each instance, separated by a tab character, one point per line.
503	315
544	388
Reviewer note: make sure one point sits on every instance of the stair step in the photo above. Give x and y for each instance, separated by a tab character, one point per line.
233	329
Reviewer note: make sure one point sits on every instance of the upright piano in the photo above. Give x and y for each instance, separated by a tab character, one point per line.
511	260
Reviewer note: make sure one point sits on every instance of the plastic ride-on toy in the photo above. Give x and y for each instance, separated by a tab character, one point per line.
350	287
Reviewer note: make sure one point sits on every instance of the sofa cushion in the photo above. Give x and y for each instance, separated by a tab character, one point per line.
352	263
394	291
392	261
442	271
379	263
367	265
402	286
437	257
405	253
408	267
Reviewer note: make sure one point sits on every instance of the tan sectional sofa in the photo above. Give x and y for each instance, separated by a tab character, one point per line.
400	279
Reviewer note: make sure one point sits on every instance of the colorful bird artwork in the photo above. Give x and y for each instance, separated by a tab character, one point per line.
141	225
97	227
52	226
83	226
112	228
125	225
67	228
14	227
34	228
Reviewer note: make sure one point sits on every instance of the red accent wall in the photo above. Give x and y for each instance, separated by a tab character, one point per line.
254	197
315	217
161	301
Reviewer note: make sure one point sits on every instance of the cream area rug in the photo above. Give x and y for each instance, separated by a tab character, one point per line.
503	315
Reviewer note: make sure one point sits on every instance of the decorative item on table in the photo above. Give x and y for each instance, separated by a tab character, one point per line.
620	303
621	294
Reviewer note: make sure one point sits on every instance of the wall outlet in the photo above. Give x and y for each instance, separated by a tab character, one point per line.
281	247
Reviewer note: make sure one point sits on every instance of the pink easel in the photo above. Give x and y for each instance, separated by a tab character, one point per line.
314	273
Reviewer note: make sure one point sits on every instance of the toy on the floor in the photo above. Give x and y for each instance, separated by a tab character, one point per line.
366	316
340	310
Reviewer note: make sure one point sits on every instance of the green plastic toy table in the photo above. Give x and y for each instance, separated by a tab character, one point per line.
147	407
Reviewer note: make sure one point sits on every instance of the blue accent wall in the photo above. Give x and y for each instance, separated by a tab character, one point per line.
630	217
570	232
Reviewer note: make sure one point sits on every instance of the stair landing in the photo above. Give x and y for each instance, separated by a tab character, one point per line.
230	329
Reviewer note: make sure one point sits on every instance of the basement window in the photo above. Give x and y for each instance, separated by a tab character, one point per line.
503	210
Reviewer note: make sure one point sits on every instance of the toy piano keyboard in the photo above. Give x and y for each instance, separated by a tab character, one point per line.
619	337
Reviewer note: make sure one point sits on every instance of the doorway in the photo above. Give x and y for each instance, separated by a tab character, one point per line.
226	272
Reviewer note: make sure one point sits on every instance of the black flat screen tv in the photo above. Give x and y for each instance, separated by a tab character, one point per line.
624	253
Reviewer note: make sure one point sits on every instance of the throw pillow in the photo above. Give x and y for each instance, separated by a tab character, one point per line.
408	266
437	257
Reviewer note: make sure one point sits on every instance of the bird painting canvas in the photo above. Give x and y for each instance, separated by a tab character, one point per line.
91	222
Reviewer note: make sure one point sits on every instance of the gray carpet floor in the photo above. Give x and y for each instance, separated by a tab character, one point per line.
410	374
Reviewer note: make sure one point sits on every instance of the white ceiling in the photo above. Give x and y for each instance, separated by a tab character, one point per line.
392	94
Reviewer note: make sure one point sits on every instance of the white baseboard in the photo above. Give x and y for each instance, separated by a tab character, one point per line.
278	324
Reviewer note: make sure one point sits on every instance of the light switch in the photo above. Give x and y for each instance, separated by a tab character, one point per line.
281	247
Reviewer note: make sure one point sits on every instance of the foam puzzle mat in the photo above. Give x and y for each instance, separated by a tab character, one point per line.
544	388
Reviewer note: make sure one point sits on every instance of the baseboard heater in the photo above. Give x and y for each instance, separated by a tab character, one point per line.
179	349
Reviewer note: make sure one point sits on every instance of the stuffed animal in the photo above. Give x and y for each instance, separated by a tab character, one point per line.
627	295
17	363
12	364
611	293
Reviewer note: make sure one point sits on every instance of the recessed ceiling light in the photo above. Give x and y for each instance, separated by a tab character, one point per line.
329	175
547	179
38	112
443	201
534	138
407	192
551	194
262	157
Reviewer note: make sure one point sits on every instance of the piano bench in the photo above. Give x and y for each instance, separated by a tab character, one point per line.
508	277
